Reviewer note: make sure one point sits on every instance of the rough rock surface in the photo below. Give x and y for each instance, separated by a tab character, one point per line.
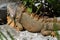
24	35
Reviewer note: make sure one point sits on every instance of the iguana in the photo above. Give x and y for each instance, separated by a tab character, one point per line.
30	22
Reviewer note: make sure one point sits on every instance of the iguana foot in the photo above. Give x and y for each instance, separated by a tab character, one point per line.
45	32
53	34
48	32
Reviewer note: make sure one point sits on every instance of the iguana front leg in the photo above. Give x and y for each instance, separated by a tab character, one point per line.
15	24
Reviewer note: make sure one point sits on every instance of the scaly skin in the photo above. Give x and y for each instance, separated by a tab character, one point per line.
30	23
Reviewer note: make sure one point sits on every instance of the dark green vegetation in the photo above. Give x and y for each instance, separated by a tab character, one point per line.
55	28
48	8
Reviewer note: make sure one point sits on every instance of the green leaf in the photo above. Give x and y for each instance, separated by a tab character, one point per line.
10	35
29	10
3	35
52	1
39	8
57	35
55	28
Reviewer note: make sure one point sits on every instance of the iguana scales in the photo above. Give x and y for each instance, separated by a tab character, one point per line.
24	20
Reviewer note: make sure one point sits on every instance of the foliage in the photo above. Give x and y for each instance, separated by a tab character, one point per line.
55	28
28	4
58	36
10	35
55	5
49	7
2	36
29	10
